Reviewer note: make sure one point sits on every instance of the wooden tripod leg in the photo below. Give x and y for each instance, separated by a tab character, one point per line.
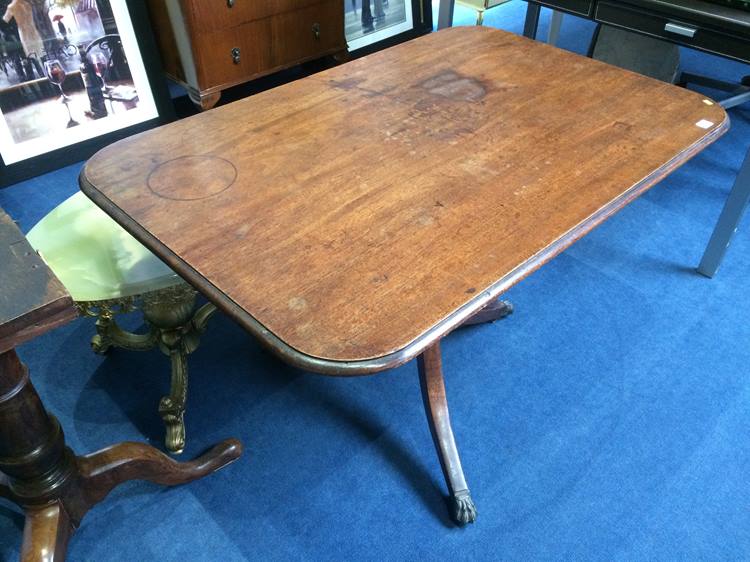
436	408
55	488
496	310
46	534
101	472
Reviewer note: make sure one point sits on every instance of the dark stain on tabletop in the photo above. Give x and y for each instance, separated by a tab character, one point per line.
452	85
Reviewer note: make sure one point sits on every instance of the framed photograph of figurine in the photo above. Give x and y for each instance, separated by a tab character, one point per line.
75	75
376	24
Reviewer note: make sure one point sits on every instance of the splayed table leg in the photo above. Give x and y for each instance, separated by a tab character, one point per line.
436	408
496	310
54	487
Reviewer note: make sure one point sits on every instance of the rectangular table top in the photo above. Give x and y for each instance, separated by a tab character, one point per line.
32	299
351	218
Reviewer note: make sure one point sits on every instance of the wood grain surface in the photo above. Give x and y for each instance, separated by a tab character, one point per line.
352	218
32	299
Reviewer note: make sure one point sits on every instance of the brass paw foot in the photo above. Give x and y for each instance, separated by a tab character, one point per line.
463	510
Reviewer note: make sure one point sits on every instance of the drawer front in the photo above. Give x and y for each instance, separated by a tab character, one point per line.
307	33
680	31
258	47
582	7
212	15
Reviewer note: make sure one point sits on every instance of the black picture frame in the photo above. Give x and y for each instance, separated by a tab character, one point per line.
58	158
422	24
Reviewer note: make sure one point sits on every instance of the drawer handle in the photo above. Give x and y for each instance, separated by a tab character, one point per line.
316	30
683	30
230	3
236	55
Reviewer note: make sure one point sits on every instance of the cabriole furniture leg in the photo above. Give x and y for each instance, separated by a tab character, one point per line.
169	313
430	367
53	486
436	407
173	327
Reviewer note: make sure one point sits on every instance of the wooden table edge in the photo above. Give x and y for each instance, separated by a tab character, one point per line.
52	310
414	348
55	315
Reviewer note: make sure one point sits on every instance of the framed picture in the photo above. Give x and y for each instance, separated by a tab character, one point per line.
75	75
376	24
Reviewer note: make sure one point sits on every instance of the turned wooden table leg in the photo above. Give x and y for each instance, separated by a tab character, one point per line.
46	534
436	408
35	462
53	486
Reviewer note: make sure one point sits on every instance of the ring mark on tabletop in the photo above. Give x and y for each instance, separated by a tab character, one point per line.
192	178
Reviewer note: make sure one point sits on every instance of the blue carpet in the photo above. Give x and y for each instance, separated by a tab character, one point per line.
607	419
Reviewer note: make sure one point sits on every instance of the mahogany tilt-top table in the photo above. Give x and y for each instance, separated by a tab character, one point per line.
352	219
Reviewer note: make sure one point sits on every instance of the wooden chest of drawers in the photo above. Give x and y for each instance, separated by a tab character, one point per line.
210	45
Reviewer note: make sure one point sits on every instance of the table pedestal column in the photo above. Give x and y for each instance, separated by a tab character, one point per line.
53	486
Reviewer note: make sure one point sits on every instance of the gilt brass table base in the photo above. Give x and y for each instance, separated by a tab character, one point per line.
172	327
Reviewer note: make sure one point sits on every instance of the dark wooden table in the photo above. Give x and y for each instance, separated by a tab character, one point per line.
352	219
38	472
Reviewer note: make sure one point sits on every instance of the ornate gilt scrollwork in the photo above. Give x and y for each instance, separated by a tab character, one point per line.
172	327
108	332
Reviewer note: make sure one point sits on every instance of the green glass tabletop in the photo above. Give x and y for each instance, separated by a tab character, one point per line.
93	256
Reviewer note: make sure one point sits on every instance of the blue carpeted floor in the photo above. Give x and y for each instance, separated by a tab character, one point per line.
608	418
